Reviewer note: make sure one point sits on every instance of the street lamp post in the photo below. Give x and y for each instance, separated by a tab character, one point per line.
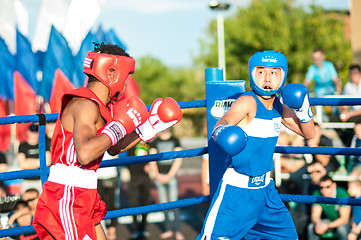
220	6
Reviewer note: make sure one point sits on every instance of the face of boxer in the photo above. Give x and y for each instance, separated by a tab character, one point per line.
268	78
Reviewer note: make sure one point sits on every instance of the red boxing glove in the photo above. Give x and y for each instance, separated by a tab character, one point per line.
128	114
162	115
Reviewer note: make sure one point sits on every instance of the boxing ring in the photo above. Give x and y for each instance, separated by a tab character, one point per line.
212	76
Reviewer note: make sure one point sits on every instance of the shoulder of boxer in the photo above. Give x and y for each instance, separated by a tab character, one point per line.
79	110
244	103
79	103
243	106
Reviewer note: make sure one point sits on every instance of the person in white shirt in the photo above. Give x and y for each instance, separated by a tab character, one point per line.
352	89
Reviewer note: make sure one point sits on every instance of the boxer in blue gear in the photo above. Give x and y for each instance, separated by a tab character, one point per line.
246	204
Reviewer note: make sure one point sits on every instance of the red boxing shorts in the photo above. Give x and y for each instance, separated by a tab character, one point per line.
68	212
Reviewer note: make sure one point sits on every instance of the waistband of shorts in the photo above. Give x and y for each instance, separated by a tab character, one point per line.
236	179
73	176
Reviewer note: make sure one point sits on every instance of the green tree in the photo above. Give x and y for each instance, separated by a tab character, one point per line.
157	80
182	84
279	25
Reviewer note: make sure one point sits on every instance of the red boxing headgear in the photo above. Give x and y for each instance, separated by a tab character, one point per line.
112	70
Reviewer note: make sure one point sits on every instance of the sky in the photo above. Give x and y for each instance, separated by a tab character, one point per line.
169	30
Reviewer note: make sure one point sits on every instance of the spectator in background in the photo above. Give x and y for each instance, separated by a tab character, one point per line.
3	168
7	202
350	113
354	189
316	171
352	89
2	190
319	140
205	180
329	218
139	189
166	180
3	162
205	174
301	212
28	157
21	216
324	74
355	143
50	126
290	162
107	180
31	196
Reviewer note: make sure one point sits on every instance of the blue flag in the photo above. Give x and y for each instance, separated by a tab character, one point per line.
58	56
40	59
86	46
7	67
101	36
25	60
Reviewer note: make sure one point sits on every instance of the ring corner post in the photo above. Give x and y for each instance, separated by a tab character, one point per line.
219	97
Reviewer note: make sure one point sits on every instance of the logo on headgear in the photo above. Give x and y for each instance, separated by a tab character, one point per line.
273	60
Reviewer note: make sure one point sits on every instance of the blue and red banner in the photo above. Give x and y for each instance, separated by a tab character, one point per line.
7	67
58	56
48	74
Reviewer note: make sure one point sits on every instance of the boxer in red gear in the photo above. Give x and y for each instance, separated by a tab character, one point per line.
89	124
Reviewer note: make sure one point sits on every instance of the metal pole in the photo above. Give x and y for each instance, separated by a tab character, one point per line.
221	51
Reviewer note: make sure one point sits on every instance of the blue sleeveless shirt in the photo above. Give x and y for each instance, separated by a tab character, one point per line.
263	131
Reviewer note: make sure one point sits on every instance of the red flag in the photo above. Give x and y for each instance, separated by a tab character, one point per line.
4	130
25	103
61	86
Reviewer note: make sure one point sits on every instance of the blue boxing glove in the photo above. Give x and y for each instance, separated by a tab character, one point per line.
295	96
232	139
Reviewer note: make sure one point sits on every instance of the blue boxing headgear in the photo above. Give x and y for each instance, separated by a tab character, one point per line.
267	59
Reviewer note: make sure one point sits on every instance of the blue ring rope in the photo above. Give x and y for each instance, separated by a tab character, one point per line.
123	161
52	117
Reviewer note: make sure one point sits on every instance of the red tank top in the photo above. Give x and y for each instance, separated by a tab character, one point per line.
62	145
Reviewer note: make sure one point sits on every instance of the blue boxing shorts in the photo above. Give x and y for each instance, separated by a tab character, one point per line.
246	207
